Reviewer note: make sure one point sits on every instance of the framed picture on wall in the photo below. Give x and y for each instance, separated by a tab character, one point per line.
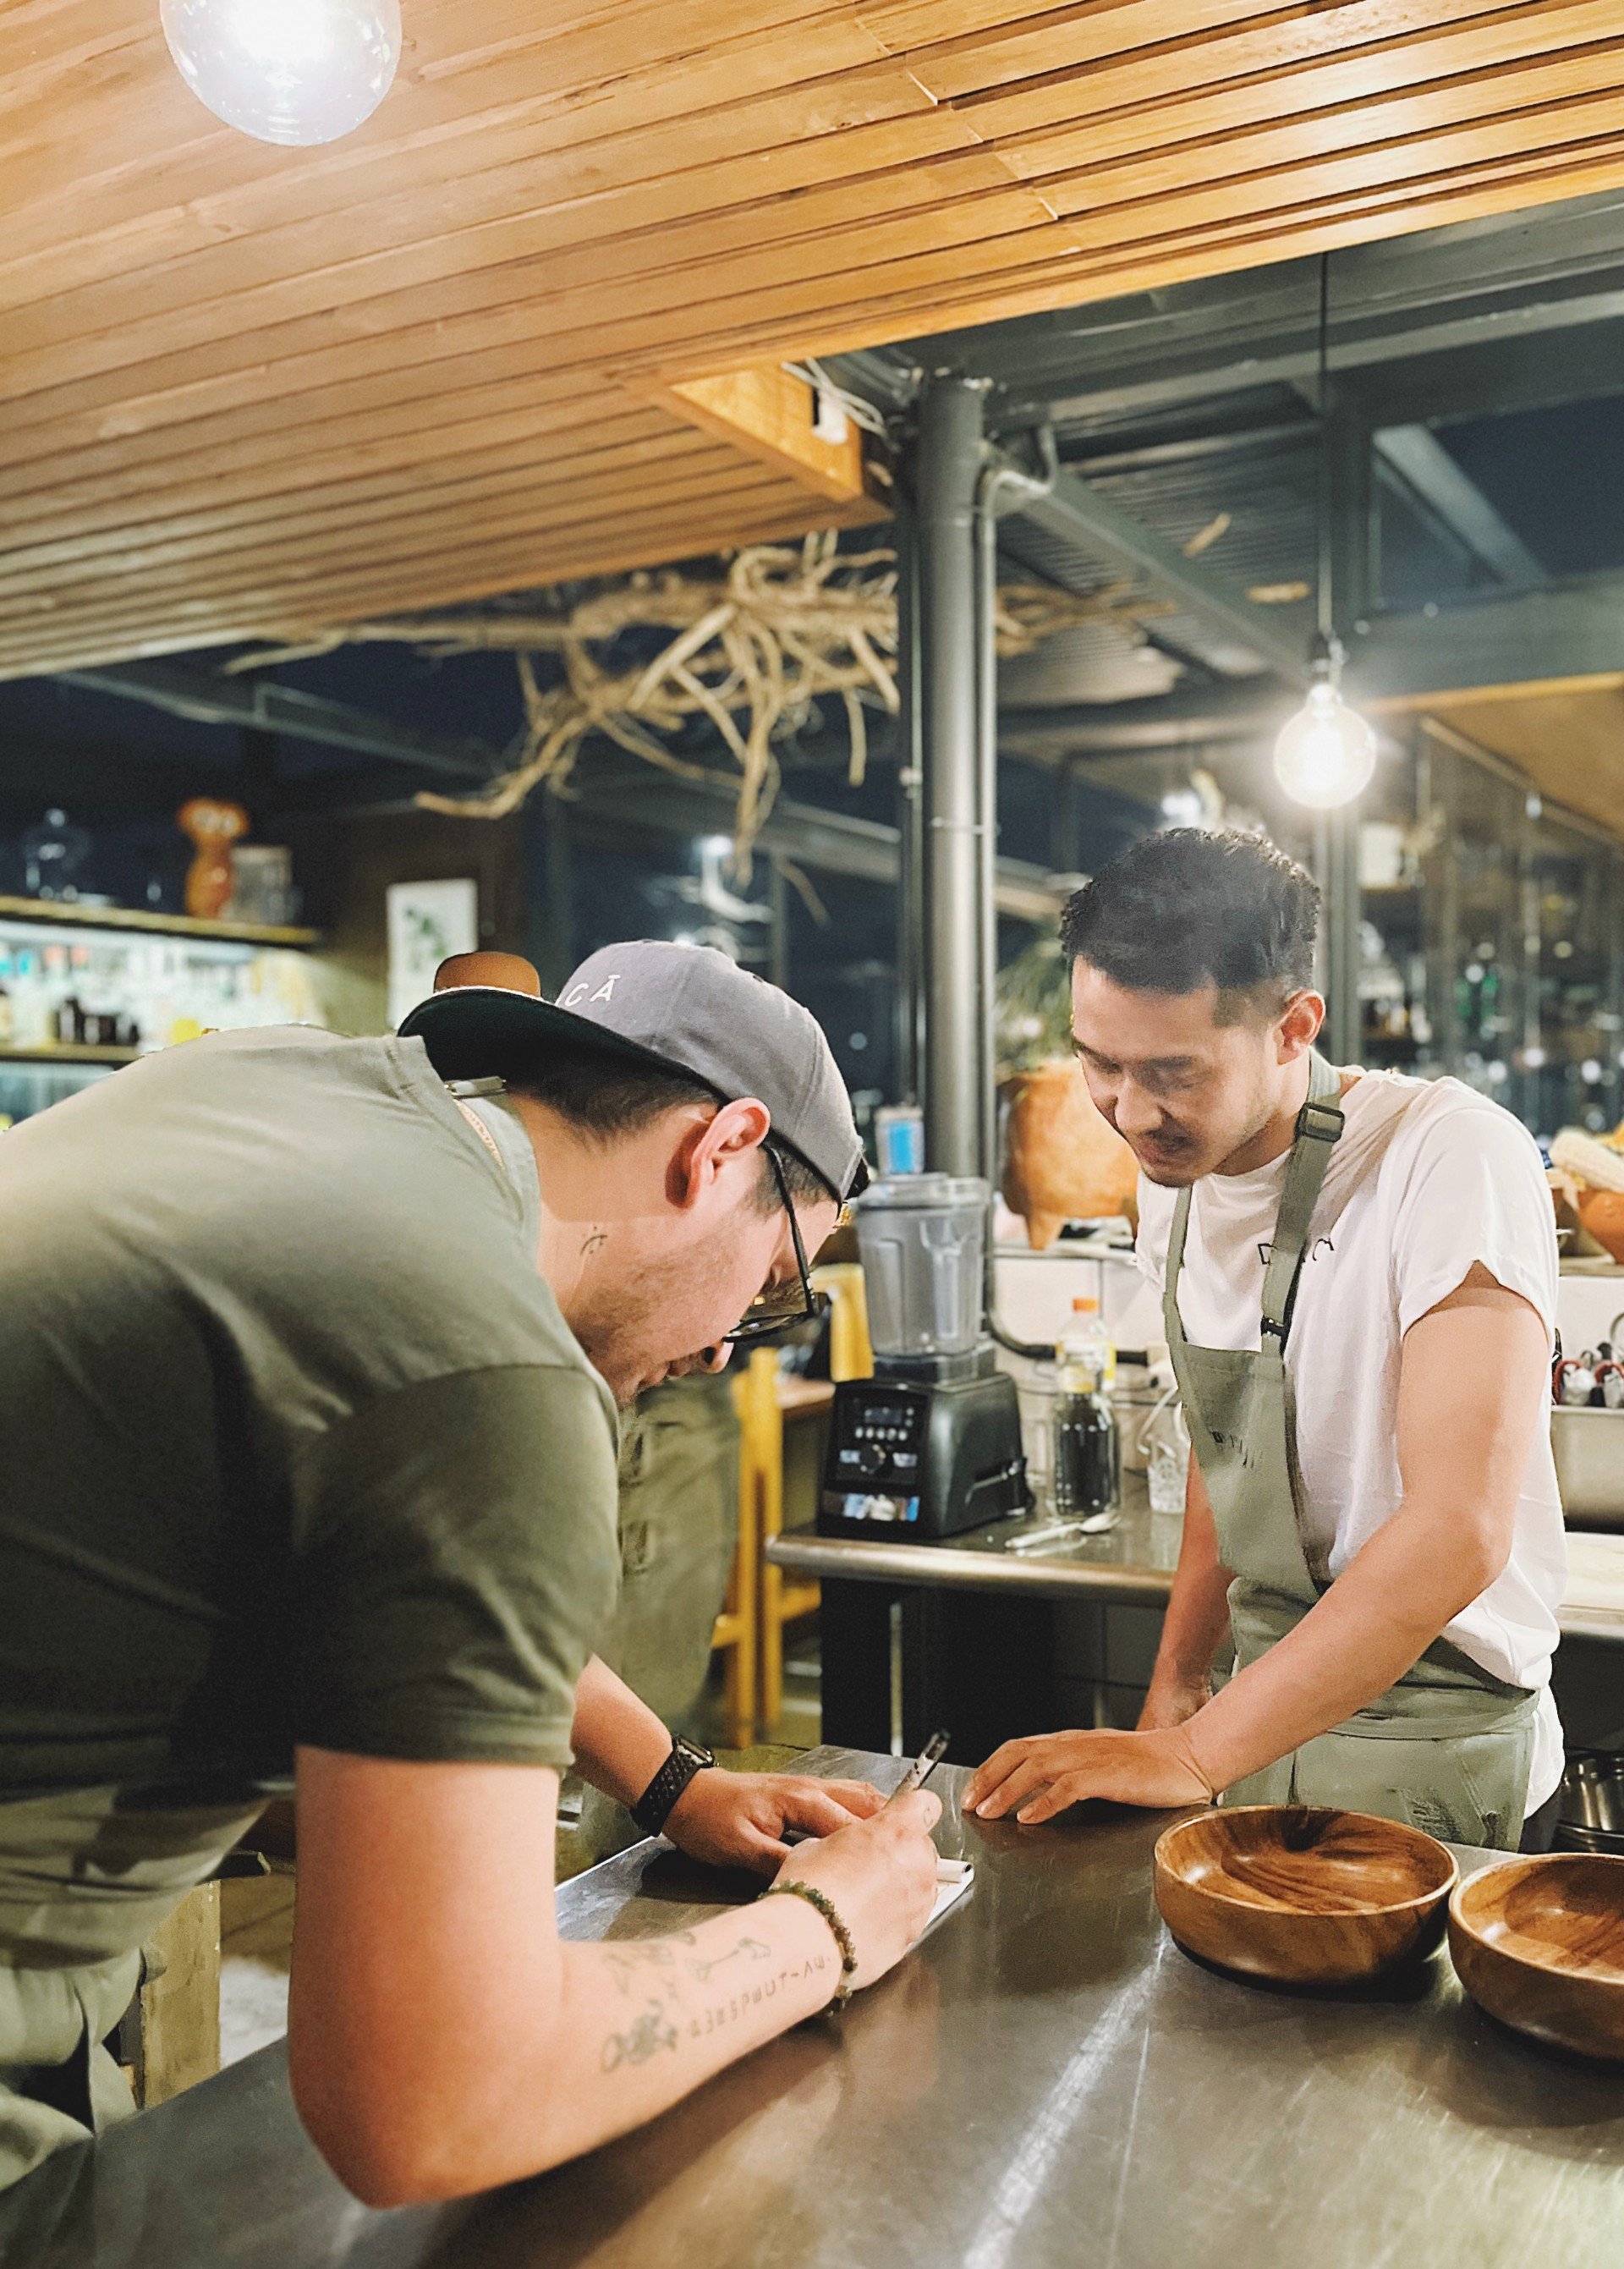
428	922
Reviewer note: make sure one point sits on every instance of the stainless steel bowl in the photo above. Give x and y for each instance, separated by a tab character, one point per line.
1592	1810
1589	1445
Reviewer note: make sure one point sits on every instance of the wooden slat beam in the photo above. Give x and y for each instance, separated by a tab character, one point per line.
770	414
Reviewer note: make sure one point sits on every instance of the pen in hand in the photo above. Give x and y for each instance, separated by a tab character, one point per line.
919	1772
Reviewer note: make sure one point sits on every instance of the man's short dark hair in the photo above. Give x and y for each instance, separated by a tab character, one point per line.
601	1099
1192	906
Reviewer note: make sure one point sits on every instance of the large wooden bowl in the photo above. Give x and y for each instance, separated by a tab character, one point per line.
1540	1944
1303	1897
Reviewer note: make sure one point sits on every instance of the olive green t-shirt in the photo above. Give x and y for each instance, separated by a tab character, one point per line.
295	1445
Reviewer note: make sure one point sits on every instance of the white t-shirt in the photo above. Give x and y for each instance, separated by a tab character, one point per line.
1427	1178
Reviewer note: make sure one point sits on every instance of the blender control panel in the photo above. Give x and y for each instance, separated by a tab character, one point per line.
877	1456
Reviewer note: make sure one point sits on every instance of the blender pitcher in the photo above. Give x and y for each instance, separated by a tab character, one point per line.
923	1241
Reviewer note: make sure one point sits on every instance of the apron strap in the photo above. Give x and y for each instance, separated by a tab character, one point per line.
1172	1323
1319	1126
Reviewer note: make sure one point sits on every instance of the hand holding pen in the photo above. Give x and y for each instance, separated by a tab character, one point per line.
920	1771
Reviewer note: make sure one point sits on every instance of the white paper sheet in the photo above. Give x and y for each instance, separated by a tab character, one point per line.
955	1879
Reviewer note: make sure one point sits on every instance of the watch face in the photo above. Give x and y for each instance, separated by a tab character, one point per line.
693	1751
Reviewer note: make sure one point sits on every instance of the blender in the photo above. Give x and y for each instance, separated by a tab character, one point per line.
931	1444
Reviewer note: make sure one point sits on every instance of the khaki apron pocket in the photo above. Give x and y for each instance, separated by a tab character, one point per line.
1467	1788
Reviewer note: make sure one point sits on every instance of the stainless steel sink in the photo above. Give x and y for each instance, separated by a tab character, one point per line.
1590	1466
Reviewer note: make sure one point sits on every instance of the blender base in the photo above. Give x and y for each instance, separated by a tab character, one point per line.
915	1455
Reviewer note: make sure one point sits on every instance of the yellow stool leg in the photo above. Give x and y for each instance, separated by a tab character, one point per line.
743	1620
767	1425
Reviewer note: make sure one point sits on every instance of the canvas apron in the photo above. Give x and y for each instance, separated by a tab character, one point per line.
1448	1747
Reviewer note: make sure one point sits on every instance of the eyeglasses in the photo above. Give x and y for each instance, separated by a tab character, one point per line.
794	1303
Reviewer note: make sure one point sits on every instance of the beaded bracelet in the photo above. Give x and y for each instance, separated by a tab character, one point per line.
825	1906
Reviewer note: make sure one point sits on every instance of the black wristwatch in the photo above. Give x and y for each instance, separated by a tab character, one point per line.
658	1801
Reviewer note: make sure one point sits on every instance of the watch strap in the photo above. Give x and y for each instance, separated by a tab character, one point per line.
658	1801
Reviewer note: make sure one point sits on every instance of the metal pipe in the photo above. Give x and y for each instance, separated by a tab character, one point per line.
998	476
948	459
909	780
986	798
1336	853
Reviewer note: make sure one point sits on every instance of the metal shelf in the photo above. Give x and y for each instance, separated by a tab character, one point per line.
55	913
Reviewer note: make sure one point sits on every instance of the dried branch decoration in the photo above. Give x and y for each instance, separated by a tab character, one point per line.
753	650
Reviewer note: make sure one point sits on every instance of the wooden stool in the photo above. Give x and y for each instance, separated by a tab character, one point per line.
762	1600
739	1623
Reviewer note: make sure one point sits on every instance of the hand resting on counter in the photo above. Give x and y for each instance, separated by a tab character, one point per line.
1039	1778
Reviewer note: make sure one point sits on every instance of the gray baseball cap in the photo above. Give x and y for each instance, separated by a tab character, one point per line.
684	1008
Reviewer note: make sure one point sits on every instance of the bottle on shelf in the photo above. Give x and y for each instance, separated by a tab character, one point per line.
1087	1467
54	852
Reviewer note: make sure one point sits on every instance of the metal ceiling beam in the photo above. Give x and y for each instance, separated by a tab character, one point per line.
1193	717
130	783
1539	358
1407	371
832	842
1570	631
1426	467
1466	300
259	705
1079	514
1567	631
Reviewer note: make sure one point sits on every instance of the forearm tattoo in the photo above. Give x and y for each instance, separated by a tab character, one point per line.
656	1953
642	2039
667	2013
752	1946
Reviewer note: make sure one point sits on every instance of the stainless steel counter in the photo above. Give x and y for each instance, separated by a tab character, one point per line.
1048	2081
1133	1561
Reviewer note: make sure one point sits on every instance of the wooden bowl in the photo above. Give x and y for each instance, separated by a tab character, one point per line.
1300	1896
1540	1944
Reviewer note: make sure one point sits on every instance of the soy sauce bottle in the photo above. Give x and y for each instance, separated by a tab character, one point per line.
1086	1462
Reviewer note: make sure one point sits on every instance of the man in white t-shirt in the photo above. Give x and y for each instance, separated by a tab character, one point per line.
1361	1301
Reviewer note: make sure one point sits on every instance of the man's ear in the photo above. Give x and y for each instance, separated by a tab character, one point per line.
712	1142
1300	1025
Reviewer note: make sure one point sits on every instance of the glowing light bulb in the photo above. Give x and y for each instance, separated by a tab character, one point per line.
292	71
1326	753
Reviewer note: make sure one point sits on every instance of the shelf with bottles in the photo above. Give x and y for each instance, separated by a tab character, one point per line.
97	995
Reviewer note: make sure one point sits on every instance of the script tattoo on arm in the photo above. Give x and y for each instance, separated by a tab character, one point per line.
720	2014
666	2015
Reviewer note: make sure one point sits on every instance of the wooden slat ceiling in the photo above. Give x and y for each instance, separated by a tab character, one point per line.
245	389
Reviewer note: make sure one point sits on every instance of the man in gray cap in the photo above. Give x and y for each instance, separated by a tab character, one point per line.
308	1350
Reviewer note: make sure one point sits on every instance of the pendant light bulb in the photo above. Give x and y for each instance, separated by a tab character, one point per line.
292	71
1325	755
